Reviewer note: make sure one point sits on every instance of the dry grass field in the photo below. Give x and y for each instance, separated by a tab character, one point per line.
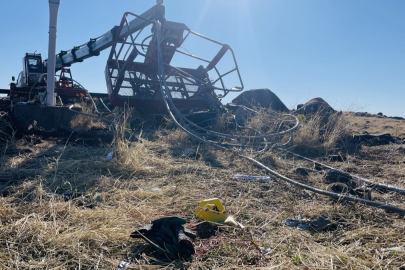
376	124
40	229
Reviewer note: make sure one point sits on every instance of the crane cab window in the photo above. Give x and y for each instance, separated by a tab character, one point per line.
34	64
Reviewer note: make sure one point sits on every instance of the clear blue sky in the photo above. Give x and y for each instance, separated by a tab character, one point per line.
351	53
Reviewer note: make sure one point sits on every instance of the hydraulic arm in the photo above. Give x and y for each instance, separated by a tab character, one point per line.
96	45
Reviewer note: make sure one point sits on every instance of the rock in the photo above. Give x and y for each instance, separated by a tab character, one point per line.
301	171
337	188
373	139
335	176
317	167
262	98
316	106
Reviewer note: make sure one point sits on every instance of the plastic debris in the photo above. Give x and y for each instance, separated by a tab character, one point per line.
123	265
301	224
151	189
318	224
188	152
393	249
109	156
213	210
252	177
52	194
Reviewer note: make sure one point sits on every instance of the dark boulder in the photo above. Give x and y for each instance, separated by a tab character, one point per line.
315	105
373	139
261	98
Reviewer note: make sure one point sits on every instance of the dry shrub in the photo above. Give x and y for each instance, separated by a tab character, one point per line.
320	134
83	122
223	122
335	130
266	121
173	136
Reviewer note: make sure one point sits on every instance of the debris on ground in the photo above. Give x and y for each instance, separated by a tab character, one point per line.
123	265
212	210
252	177
167	235
151	189
188	152
393	249
321	223
301	223
109	156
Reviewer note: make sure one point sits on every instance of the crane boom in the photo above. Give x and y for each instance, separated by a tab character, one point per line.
96	45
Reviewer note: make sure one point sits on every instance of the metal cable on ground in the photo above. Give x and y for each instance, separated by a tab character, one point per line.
361	179
327	193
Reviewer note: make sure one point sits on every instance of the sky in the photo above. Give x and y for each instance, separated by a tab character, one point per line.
350	53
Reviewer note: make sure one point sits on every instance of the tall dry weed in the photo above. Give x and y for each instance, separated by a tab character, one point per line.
321	134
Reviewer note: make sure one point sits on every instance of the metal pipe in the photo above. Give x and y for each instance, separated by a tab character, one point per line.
53	20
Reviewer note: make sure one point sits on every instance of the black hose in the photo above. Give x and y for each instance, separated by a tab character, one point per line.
327	193
361	179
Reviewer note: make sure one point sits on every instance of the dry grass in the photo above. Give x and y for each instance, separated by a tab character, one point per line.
317	137
82	122
375	124
42	231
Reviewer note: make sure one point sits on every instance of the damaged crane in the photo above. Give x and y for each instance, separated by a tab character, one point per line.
131	73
